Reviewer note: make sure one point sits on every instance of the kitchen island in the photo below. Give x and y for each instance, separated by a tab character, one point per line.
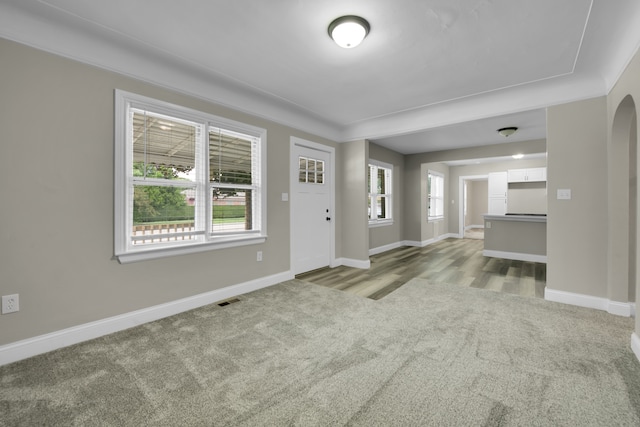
519	237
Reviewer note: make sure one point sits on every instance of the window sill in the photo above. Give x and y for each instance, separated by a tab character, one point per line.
383	223
169	251
435	219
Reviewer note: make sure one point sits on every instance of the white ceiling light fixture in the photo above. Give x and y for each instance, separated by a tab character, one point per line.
518	156
508	131
349	31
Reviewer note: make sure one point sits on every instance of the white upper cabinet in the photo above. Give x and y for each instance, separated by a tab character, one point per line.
527	175
497	185
517	175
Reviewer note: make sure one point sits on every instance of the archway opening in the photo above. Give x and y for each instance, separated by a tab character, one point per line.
633	208
623	204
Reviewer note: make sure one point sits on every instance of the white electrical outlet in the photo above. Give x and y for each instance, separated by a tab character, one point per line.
10	303
259	256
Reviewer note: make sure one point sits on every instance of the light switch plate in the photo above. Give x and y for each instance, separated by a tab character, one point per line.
564	194
285	197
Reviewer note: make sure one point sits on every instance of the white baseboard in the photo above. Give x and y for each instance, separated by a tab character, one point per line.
428	242
515	255
44	343
385	248
624	309
355	263
413	243
635	345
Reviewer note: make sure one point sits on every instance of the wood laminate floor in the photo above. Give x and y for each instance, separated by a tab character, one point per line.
453	261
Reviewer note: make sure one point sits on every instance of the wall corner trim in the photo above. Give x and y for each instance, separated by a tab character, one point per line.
29	347
624	309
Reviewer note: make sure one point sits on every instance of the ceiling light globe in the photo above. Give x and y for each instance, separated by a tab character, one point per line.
506	132
348	31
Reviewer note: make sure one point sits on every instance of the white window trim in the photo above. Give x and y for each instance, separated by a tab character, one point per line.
438	217
125	254
373	223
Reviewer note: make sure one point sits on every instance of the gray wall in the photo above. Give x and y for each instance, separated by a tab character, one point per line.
413	207
627	89
354	163
416	228
56	169
527	197
477	202
389	234
577	228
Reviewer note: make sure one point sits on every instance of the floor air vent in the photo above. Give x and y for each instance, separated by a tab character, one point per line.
227	302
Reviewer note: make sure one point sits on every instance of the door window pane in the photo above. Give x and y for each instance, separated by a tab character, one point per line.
311	171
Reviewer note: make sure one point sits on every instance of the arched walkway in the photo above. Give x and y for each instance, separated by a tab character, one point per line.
623	204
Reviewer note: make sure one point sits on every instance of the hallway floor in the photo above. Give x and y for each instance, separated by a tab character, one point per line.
450	261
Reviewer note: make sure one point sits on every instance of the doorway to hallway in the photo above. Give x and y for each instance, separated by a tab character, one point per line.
473	205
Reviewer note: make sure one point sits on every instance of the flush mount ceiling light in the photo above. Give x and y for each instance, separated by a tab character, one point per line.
507	131
349	31
518	156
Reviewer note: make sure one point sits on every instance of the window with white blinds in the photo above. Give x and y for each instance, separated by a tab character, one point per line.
186	181
380	190
435	196
233	172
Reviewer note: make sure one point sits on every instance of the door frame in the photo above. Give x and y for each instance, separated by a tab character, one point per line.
293	165
461	181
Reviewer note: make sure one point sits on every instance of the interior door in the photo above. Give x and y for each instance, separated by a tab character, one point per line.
311	209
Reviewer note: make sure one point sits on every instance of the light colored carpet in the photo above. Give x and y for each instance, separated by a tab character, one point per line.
301	354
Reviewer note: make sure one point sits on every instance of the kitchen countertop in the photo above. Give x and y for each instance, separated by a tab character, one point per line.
521	218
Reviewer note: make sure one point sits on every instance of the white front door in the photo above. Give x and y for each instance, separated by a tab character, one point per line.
312	211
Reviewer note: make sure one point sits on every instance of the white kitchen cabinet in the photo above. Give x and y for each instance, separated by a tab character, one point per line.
517	175
497	189
536	174
527	175
497	205
497	184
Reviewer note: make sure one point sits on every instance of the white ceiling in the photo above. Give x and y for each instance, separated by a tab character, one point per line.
431	75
